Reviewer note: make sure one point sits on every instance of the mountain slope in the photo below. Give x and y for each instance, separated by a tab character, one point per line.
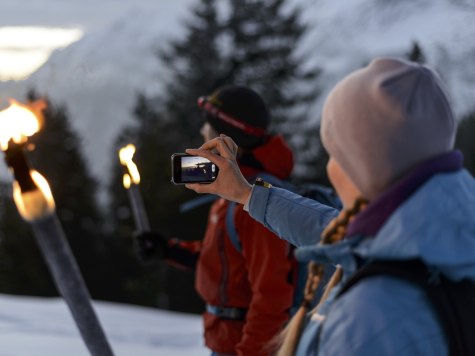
348	34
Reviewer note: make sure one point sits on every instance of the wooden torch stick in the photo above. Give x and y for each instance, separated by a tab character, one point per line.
131	183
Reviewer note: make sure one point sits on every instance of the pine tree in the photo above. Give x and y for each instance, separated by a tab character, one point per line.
264	38
195	65
416	54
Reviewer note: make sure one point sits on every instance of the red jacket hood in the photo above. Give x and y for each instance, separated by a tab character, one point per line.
275	156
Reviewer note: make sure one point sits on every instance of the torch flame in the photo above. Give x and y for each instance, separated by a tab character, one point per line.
35	204
18	121
126	154
126	180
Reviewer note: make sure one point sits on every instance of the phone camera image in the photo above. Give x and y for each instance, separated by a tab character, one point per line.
192	169
197	169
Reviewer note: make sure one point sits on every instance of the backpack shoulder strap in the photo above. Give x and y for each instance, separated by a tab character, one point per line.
197	202
453	302
231	226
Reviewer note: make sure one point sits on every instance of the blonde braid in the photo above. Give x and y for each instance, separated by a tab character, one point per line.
336	229
286	340
334	232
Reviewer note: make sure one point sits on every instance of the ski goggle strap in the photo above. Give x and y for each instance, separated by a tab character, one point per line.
206	105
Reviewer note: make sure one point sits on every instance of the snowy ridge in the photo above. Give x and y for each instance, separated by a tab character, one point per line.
348	34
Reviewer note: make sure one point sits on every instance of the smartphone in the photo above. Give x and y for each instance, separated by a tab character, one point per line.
192	169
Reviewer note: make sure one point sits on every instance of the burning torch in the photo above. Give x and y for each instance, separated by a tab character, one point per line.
35	203
131	181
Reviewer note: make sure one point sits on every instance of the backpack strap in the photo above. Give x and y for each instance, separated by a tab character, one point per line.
453	302
197	202
231	227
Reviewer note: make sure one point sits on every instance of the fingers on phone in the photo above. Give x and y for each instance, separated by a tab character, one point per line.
201	152
231	145
225	147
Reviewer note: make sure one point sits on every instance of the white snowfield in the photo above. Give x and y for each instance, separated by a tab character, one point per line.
31	326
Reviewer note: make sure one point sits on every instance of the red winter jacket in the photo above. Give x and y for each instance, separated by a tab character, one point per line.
257	278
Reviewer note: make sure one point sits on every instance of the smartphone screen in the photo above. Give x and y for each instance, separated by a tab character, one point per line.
192	169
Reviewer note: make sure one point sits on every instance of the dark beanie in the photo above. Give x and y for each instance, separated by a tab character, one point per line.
238	112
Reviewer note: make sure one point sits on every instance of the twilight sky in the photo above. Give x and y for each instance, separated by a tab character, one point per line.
31	29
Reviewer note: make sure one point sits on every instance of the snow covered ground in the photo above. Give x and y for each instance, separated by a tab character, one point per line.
31	326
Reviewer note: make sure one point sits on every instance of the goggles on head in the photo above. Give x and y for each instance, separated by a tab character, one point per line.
206	105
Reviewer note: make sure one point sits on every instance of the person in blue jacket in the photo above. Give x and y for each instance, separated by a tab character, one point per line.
389	130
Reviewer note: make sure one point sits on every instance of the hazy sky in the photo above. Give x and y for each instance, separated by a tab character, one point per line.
31	29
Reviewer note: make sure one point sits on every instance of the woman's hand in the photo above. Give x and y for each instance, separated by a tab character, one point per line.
230	183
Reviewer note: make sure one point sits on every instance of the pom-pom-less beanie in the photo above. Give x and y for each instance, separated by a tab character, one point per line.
382	120
238	112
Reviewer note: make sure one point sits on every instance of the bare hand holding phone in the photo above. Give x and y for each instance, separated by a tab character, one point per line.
192	169
230	184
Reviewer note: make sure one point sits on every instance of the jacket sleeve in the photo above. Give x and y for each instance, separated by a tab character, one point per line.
183	254
269	269
292	217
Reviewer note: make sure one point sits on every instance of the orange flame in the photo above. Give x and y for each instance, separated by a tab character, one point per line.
125	155
126	181
37	203
19	121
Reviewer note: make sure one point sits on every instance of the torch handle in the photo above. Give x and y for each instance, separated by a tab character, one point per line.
138	209
51	239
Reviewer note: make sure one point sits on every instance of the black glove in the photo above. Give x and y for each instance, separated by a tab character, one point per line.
151	245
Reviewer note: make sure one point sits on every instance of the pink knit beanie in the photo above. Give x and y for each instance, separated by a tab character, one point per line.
382	120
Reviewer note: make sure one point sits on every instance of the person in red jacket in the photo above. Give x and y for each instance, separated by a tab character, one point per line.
248	292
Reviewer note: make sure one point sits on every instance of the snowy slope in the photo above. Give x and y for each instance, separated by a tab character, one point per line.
348	34
98	77
43	327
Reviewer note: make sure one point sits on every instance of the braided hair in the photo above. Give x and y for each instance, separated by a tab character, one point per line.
287	341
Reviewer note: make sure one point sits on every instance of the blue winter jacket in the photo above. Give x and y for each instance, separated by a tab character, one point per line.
381	315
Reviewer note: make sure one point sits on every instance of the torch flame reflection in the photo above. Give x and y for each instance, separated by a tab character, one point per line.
133	176
18	122
37	203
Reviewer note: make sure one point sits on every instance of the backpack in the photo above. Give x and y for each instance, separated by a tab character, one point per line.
452	302
316	192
